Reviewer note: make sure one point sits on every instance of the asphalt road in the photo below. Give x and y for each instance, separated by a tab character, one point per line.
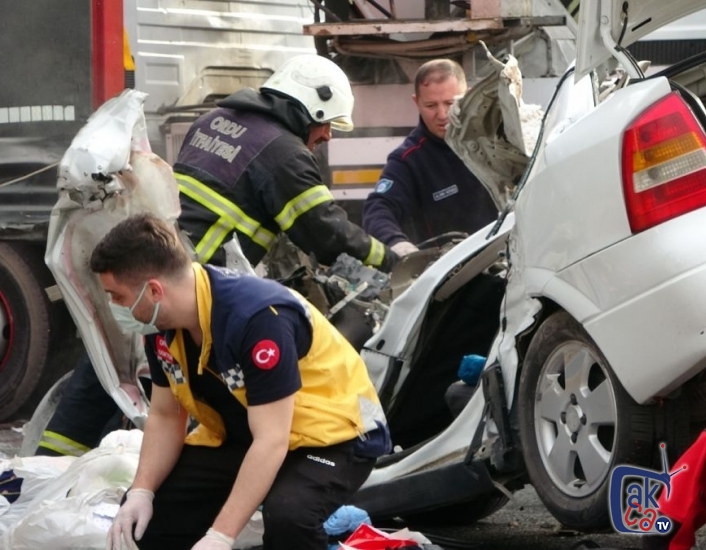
523	523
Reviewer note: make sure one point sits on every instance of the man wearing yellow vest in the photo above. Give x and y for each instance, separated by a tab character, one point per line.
247	168
288	417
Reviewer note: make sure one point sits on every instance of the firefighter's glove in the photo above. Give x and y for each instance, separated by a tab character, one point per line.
136	513
213	540
403	248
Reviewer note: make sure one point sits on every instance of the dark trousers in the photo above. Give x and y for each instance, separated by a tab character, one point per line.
311	484
85	412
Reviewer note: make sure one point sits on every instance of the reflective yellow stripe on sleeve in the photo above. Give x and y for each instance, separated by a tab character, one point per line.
230	217
62	444
376	254
301	204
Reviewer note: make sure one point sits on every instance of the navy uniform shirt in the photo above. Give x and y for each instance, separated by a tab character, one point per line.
272	346
272	340
425	190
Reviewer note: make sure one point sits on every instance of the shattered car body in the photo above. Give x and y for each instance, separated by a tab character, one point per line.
107	174
588	296
600	352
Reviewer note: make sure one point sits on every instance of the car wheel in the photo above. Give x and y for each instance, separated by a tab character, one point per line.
36	339
576	423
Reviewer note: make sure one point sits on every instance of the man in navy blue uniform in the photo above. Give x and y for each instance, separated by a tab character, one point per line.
425	189
287	415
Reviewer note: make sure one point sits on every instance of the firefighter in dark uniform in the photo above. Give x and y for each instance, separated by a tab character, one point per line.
287	415
245	168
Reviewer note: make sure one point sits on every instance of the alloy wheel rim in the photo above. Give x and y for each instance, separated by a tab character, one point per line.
575	419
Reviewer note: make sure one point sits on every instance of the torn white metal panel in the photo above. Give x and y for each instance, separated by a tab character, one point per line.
114	356
521	121
475	134
545	53
577	248
93	198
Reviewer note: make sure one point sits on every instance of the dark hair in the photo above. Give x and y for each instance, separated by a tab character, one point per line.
438	70
141	247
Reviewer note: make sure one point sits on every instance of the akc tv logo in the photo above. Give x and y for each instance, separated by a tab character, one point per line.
633	498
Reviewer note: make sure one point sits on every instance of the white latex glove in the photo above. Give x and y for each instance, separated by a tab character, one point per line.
213	540
137	511
403	248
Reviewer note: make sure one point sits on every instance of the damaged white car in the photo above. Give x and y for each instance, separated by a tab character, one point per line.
588	297
601	346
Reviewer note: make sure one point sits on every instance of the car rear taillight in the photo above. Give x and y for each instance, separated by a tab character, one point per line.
664	164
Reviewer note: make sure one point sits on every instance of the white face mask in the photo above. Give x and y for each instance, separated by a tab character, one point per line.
126	320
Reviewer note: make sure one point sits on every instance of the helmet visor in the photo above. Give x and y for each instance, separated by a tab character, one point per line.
342	124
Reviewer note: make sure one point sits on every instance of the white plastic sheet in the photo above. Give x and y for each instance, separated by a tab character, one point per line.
69	503
36	472
73	509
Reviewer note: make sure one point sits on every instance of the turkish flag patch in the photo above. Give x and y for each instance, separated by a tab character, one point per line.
163	349
265	354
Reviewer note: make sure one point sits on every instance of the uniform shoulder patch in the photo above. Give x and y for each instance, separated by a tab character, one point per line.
265	354
383	185
162	349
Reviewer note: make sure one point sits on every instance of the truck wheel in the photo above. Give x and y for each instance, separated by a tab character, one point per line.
577	423
33	331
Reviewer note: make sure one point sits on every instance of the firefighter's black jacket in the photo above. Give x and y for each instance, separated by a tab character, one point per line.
245	168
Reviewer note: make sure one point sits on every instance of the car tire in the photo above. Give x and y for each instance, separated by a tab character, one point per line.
576	423
37	339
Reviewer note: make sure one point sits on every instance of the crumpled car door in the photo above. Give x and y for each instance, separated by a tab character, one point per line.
493	130
107	174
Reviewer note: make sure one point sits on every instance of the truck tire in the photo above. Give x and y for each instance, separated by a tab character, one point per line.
576	423
37	338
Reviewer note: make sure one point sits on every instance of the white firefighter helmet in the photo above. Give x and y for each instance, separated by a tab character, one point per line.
319	85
